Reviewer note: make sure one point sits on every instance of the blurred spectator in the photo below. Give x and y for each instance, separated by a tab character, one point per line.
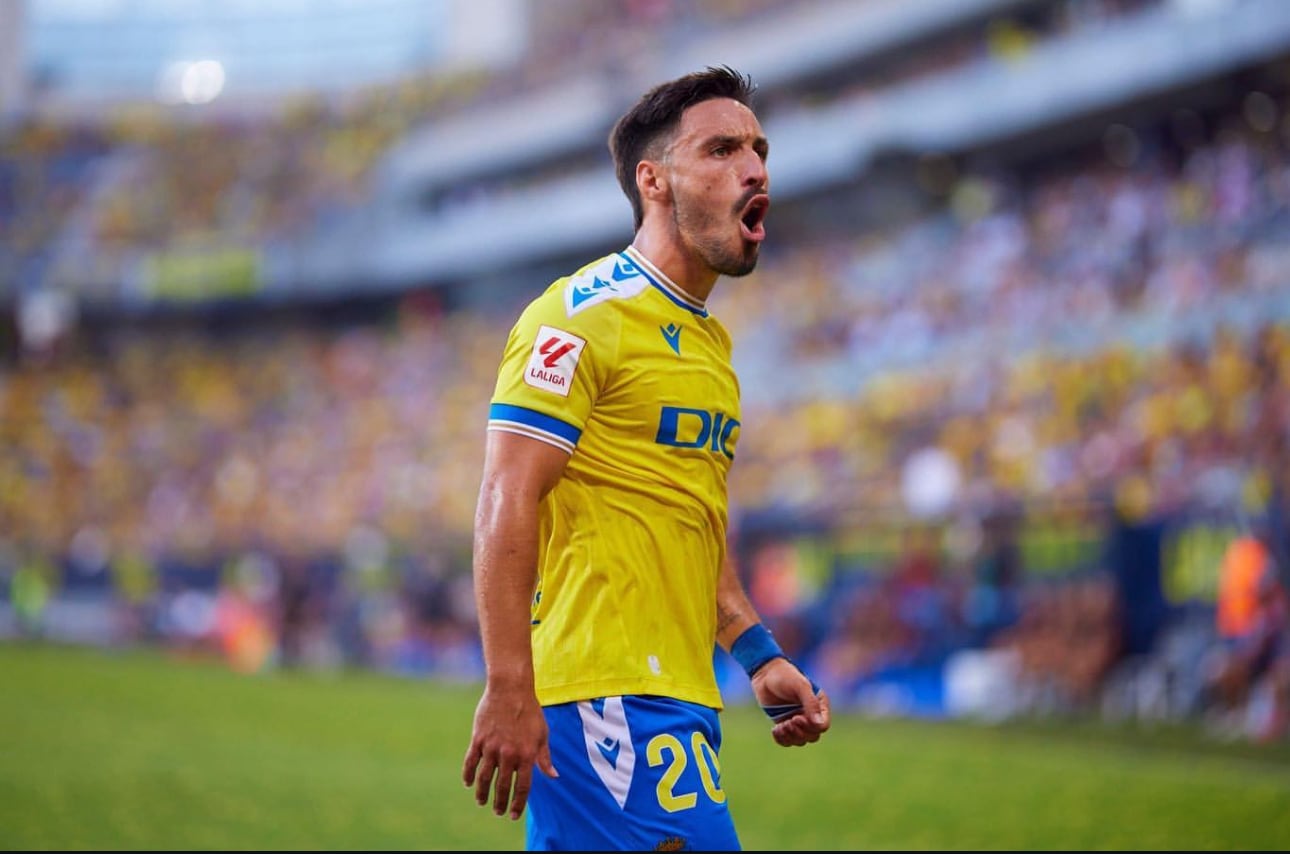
1067	639
990	603
1253	621
869	637
1244	579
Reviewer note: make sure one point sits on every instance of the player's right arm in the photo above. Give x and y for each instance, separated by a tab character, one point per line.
558	356
509	735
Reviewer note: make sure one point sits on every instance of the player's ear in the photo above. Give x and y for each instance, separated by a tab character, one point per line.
651	181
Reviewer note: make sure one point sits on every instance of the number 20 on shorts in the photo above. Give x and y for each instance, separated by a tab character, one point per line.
668	749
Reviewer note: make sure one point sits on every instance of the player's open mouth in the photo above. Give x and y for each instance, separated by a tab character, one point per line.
752	220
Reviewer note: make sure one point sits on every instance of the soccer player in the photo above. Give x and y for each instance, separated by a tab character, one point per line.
601	575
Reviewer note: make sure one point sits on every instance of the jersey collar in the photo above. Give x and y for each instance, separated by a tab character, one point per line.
659	279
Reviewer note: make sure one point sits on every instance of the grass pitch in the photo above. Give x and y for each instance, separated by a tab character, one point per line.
137	750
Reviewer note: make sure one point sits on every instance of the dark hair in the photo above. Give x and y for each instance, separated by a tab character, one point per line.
657	113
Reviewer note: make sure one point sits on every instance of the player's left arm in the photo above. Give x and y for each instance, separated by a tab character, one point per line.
800	710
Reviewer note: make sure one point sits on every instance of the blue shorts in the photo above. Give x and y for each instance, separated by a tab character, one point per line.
637	773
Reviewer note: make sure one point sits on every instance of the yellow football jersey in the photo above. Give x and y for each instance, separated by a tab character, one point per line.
632	377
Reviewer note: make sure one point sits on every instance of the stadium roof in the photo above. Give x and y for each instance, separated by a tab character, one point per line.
133	49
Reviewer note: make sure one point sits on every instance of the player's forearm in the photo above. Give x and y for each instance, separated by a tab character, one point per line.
504	574
735	613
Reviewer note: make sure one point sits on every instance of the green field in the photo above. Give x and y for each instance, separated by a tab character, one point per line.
142	751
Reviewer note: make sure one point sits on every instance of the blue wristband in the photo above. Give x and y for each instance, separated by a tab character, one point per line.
754	648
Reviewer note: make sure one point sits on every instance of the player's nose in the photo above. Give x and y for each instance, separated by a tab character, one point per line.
755	174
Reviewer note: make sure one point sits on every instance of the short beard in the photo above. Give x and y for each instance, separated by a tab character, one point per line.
712	250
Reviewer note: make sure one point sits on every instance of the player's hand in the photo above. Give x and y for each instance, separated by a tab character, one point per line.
806	713
508	738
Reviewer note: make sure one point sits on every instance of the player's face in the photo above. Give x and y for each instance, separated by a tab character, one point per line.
717	164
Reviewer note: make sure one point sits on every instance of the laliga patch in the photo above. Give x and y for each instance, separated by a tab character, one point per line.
554	359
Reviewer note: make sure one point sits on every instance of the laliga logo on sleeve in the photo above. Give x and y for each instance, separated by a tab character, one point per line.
554	359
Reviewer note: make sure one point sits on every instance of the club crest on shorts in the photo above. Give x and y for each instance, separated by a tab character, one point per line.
553	360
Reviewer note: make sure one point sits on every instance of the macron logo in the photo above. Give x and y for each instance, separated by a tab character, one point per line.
609	748
613	758
672	335
624	270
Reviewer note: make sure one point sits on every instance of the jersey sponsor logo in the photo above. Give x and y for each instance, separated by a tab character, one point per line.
682	427
554	360
614	277
672	335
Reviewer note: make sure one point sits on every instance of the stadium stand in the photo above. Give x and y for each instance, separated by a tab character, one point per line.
1016	366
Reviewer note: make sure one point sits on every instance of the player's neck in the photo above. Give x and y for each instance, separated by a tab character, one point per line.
669	255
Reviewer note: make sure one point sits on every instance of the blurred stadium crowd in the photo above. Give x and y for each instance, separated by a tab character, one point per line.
1019	450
